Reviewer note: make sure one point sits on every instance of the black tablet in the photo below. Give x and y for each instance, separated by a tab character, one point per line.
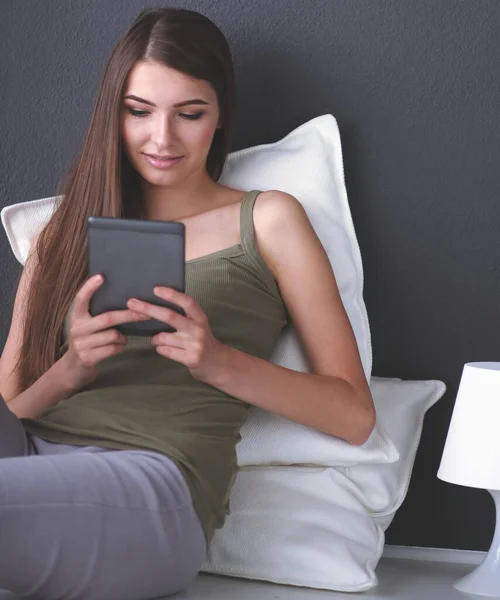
135	256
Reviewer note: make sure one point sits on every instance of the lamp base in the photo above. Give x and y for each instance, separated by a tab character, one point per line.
485	580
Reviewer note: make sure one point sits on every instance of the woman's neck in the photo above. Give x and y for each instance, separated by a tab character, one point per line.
170	203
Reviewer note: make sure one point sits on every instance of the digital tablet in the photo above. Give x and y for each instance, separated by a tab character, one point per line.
135	256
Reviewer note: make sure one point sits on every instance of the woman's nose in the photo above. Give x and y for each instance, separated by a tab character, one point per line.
162	134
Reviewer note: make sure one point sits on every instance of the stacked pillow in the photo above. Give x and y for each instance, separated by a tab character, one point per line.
306	508
323	527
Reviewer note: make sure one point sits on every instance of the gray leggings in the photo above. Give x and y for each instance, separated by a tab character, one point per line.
89	523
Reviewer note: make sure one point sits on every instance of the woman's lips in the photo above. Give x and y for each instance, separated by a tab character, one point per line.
162	163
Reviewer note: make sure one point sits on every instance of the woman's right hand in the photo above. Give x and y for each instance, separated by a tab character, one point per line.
93	339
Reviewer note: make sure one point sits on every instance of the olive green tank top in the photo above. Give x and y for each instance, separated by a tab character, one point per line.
141	400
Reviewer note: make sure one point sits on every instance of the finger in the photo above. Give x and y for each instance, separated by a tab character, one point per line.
102	338
97	354
174	340
107	320
113	318
189	304
172	353
161	313
85	293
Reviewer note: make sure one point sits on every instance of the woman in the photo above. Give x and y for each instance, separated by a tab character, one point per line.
118	455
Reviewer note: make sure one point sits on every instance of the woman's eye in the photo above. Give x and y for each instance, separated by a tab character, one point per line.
137	113
191	116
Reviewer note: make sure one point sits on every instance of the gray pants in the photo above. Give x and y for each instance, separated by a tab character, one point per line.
89	523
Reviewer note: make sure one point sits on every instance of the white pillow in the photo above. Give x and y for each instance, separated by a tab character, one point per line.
323	527
308	164
297	526
402	406
24	221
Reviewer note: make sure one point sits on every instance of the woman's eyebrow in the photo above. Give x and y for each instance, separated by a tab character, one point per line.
178	105
190	102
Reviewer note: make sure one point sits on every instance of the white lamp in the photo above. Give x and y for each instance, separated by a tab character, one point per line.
471	457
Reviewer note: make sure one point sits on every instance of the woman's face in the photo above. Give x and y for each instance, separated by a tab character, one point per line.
168	121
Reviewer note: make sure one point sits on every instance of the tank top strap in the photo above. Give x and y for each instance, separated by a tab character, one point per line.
247	233
247	236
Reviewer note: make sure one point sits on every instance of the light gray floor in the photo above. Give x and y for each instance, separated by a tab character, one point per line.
399	579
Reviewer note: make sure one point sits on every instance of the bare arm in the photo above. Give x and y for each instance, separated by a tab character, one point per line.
327	403
51	387
92	339
10	383
335	398
54	385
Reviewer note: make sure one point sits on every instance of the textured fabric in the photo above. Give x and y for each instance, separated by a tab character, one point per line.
143	400
297	526
324	527
88	523
402	406
24	221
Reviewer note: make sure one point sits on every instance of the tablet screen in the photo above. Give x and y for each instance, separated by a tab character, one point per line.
135	256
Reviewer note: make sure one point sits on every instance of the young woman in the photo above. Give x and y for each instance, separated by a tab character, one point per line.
117	455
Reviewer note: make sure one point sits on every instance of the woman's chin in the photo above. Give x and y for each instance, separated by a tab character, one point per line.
162	178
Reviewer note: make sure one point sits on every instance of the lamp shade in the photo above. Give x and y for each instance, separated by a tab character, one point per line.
471	455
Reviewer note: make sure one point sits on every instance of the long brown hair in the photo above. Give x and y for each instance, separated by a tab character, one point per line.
102	181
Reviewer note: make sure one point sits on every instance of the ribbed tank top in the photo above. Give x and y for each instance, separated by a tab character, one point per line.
141	400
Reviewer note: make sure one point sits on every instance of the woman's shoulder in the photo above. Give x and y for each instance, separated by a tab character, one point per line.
278	219
267	201
278	199
276	211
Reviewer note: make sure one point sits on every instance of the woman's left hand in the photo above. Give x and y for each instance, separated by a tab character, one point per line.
193	344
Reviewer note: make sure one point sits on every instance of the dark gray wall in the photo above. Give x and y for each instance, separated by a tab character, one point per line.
415	88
